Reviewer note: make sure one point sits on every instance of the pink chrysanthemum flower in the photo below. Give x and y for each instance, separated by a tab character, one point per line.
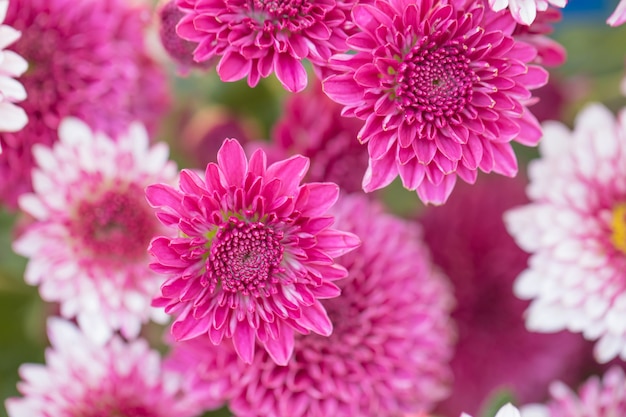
619	15
442	90
83	378
495	352
255	254
255	38
525	11
575	229
388	354
92	227
312	125
12	117
87	59
597	397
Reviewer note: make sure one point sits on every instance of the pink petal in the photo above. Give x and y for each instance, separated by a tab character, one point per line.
243	340
290	72
232	161
281	349
343	89
233	67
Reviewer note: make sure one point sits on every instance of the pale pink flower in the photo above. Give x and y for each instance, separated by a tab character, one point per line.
254	38
255	254
12	117
598	397
92	226
468	241
442	90
87	59
388	354
525	11
575	229
619	15
84	379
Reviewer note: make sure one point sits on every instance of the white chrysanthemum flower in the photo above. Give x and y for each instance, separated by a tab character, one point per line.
12	117
82	378
575	229
88	243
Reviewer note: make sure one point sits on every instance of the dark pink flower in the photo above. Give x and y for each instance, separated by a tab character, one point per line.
442	90
390	348
312	125
468	240
86	59
255	255
85	379
254	38
180	50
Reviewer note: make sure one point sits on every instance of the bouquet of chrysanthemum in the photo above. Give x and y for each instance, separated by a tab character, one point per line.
281	208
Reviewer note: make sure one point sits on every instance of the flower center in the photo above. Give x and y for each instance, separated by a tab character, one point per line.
618	225
292	15
117	226
435	81
245	257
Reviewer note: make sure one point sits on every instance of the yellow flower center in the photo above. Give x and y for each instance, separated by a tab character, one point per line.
618	224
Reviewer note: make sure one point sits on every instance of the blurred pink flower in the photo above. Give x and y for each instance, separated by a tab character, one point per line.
92	226
525	11
255	255
86	59
619	15
203	132
575	228
179	49
12	117
210	373
507	410
388	354
597	397
312	125
494	352
442	91
82	378
256	38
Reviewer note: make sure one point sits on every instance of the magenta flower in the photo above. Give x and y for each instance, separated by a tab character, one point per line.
619	15
525	11
442	91
575	229
469	242
12	117
312	125
389	351
88	242
255	254
598	397
82	378
255	38
87	59
180	50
